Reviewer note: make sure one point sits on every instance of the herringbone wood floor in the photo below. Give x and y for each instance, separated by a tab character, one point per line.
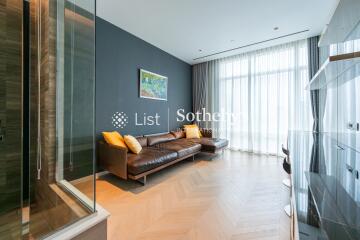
232	196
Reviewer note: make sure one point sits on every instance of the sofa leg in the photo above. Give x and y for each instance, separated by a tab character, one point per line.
142	181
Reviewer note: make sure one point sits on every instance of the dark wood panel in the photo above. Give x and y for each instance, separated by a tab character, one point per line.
10	117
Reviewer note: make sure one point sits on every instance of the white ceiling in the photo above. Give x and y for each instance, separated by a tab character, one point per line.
182	27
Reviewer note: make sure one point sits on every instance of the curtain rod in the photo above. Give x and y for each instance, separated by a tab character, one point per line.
251	44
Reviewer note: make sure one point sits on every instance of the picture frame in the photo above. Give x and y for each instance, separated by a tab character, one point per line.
153	86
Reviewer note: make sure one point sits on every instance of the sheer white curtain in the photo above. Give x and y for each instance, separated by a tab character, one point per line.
264	94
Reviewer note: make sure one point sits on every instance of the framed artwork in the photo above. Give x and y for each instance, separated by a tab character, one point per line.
153	86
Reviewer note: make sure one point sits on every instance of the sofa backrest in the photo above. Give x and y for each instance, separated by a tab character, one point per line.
178	134
155	139
143	141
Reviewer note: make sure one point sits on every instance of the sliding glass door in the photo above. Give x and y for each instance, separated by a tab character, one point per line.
262	94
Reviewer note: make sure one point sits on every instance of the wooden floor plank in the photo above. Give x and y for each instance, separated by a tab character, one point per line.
232	196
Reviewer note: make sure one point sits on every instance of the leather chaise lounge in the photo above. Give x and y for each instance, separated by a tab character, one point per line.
158	151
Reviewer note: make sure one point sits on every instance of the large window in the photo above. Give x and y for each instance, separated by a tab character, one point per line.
264	92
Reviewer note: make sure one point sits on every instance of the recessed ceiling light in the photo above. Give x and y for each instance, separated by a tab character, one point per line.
276	28
200	50
232	40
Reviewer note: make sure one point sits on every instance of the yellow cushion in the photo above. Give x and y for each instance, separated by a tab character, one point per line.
192	132
193	126
133	144
114	138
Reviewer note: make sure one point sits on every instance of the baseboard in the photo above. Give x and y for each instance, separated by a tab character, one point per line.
99	174
88	178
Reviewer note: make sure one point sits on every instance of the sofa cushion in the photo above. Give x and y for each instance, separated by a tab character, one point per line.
178	134
182	146
211	144
152	140
149	158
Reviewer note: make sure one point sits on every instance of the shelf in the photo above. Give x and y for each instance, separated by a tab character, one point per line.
336	70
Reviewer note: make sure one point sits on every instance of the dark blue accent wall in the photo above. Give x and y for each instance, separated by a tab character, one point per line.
119	57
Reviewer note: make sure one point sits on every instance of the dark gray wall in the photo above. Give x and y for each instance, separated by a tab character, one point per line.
119	56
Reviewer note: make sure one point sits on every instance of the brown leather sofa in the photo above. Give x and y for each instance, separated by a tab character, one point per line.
158	151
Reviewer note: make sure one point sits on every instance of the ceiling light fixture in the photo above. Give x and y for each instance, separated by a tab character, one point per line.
276	28
200	50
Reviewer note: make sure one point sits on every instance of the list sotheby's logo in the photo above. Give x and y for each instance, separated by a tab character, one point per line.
119	120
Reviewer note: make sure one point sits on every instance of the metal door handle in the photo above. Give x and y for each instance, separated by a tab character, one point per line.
356	173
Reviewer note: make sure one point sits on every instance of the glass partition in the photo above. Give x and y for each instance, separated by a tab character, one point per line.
47	112
75	91
339	151
62	113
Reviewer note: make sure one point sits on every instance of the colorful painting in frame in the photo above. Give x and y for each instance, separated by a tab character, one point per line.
153	86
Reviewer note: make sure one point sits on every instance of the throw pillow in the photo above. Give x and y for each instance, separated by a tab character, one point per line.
193	126
133	144
192	132
114	138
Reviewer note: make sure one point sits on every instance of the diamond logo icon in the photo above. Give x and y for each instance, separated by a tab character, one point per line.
119	120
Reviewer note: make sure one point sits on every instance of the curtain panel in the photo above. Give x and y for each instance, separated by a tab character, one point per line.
205	94
200	80
259	96
317	102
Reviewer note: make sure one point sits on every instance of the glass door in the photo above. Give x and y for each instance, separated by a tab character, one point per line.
11	119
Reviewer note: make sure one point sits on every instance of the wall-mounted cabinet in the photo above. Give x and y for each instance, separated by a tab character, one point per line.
336	70
325	165
342	24
338	81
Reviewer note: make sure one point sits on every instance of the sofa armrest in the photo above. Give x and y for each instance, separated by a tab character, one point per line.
206	132
113	159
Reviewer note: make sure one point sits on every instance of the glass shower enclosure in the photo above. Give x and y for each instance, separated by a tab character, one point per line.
47	115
